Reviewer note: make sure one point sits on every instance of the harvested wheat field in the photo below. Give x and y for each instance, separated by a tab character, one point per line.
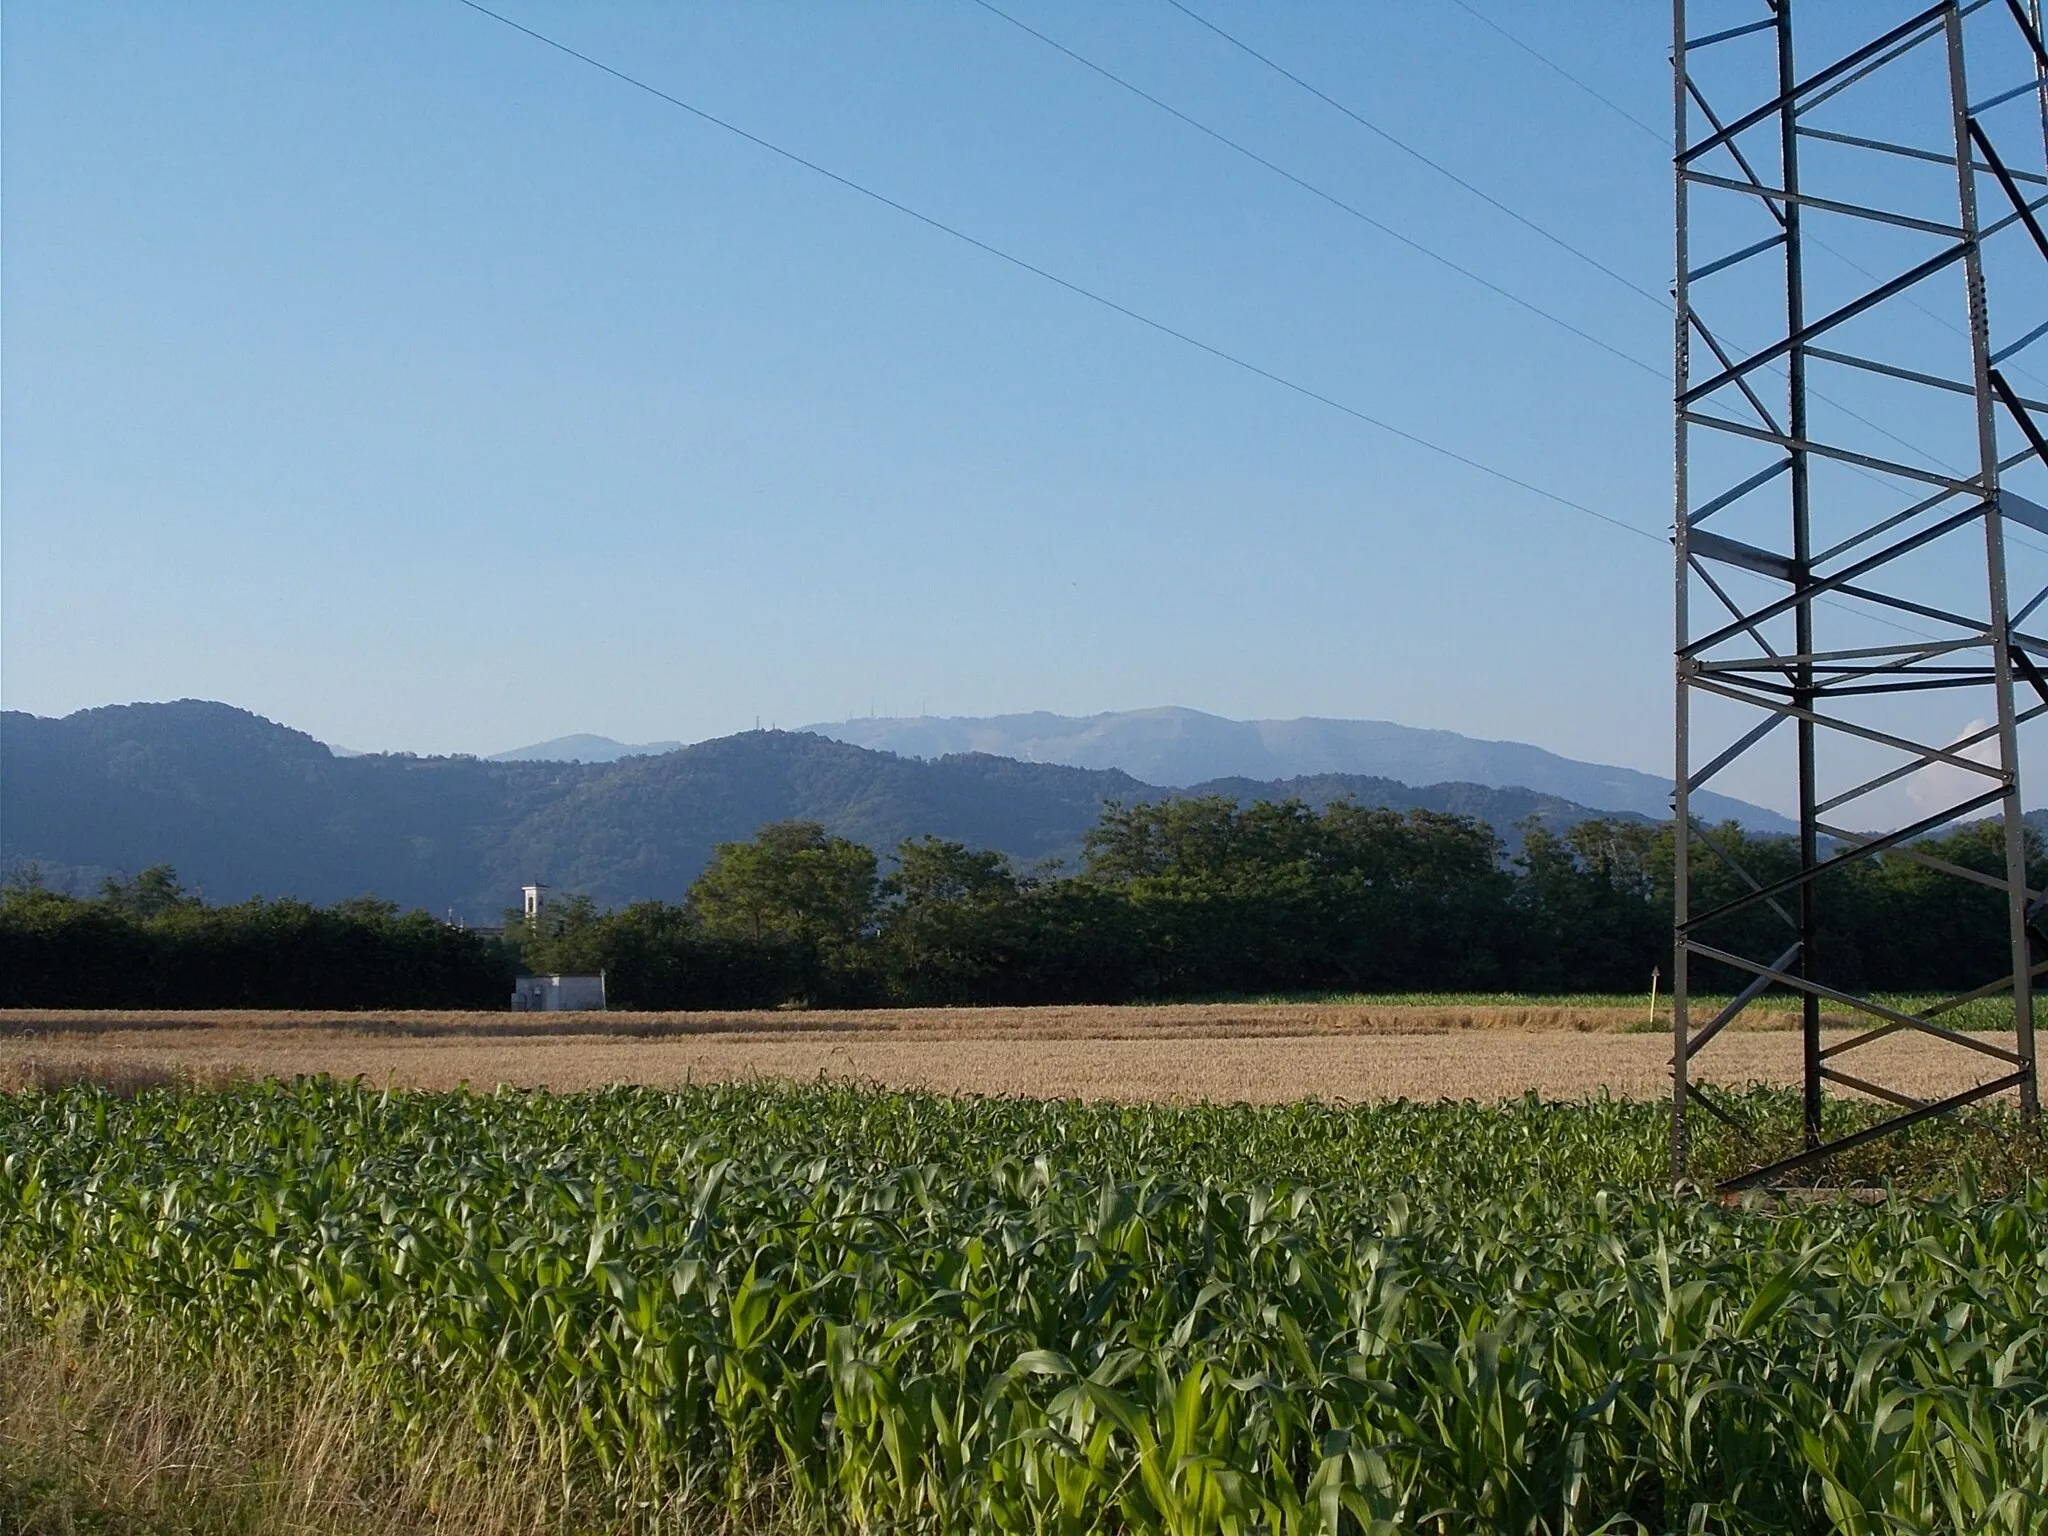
1256	1053
1076	1022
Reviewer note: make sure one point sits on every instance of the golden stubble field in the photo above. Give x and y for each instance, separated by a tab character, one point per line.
1254	1052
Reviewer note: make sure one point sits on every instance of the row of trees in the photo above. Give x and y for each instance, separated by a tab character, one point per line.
147	943
1201	897
1181	898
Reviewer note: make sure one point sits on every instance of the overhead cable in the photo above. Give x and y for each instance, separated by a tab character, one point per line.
1160	326
1334	201
1662	301
1439	449
1663	140
1556	68
1417	155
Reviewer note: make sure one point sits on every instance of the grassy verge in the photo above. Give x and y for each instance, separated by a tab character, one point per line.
99	1435
115	1436
1976	1154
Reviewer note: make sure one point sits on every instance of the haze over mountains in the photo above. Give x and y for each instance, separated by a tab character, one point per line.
583	748
243	806
1176	748
1179	747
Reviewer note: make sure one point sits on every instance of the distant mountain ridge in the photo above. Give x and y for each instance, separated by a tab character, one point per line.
1180	747
581	748
243	806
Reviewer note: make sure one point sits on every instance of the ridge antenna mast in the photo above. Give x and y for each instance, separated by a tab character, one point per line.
1862	274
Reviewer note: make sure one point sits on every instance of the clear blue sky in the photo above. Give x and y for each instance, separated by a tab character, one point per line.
379	369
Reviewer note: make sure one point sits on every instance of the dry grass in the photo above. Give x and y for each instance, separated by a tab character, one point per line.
104	1438
1257	1054
124	1075
95	1439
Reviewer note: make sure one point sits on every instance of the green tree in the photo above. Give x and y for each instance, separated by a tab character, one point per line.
369	911
150	894
1588	906
953	929
23	878
932	872
791	882
566	938
1205	840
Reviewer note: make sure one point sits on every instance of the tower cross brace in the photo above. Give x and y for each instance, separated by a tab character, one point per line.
1861	282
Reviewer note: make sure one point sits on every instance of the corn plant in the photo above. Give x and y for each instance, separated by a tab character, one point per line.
918	1313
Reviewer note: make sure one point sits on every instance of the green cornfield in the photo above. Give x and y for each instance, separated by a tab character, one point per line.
903	1312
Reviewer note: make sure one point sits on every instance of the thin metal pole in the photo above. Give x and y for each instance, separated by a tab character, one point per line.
1802	559
1681	795
1994	564
2041	78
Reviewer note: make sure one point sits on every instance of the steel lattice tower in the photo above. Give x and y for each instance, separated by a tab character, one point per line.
1862	266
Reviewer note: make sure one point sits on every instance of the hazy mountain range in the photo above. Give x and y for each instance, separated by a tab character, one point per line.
1182	747
1185	746
584	748
242	806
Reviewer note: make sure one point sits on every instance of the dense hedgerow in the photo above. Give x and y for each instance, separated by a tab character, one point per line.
60	952
1187	898
1005	1316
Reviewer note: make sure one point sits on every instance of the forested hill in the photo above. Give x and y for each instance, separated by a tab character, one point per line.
243	806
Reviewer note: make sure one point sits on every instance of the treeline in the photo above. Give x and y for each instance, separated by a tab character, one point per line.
1200	897
1195	897
147	943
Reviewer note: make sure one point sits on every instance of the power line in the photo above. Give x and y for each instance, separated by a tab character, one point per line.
1329	197
1068	285
1663	141
1556	68
1663	302
1415	154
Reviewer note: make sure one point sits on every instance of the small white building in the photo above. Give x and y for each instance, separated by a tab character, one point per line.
559	994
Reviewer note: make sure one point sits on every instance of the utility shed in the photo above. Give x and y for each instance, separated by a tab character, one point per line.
559	994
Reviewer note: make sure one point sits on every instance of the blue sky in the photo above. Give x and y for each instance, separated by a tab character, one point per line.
384	371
